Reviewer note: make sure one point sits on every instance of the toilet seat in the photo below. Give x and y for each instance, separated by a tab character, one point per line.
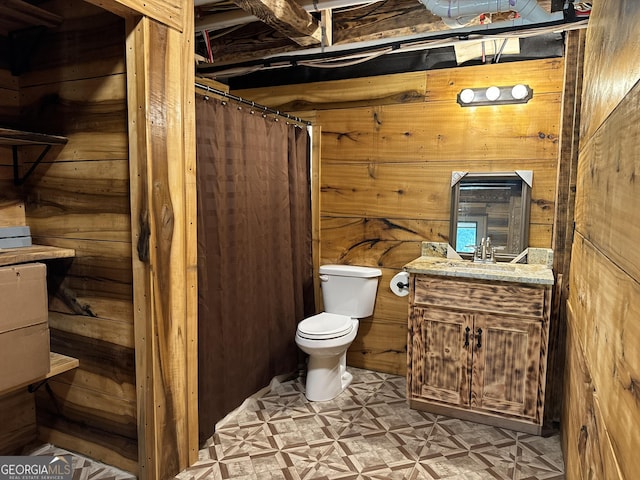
324	326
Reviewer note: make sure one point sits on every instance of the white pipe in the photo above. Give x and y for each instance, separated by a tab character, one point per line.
459	12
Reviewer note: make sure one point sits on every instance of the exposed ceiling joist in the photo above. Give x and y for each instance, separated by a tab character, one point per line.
231	18
287	17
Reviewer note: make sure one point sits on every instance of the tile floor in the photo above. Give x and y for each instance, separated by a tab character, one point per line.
368	432
84	468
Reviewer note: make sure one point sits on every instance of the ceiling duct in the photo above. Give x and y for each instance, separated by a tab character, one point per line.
457	13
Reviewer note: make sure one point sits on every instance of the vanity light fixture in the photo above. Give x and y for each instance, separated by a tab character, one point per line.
474	97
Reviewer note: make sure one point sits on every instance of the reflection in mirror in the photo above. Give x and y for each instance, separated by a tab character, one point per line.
494	205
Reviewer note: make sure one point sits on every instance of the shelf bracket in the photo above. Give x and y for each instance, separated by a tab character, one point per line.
16	170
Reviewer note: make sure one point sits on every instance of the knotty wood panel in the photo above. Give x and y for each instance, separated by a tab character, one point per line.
72	46
84	413
607	187
581	435
74	437
417	190
11	205
606	305
543	76
94	107
81	199
11	209
444	131
9	98
18	420
106	368
387	242
611	67
586	442
100	270
105	328
380	343
8	83
386	89
603	295
391	242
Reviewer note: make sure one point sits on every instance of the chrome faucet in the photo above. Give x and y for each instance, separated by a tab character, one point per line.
485	252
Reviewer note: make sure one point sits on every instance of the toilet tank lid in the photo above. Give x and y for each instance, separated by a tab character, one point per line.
350	271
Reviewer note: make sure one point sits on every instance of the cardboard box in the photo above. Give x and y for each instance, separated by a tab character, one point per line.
13	237
25	355
24	326
23	296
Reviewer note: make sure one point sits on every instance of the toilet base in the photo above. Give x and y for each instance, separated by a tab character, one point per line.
327	377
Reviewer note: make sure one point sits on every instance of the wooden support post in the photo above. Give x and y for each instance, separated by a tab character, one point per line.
160	89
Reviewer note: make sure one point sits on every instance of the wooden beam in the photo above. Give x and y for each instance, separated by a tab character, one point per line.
384	20
287	17
164	248
390	19
171	13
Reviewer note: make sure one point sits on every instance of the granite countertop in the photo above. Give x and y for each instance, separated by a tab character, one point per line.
434	261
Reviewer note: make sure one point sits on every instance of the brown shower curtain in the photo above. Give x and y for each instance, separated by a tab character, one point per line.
254	252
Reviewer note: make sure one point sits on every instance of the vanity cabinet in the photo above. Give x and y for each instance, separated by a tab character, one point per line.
477	350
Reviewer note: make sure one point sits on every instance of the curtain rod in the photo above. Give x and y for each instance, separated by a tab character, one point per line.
255	105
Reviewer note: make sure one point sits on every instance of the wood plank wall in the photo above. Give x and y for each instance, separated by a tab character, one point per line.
11	204
17	409
79	198
389	145
601	403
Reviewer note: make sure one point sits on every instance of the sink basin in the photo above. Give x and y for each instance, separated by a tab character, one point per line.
502	267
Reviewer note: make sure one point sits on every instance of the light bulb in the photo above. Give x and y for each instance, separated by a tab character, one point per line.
519	91
492	93
466	95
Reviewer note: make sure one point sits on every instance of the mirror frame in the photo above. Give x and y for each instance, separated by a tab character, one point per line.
526	176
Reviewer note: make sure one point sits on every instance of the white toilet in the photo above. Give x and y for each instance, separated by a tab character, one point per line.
348	293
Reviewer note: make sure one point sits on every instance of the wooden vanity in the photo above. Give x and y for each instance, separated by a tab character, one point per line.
477	341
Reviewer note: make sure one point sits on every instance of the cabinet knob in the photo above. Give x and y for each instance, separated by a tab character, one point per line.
479	344
466	336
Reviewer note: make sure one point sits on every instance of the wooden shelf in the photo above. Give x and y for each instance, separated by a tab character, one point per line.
58	364
19	137
34	253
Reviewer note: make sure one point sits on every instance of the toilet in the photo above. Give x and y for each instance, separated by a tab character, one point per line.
348	293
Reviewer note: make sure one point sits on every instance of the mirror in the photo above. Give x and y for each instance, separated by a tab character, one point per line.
492	205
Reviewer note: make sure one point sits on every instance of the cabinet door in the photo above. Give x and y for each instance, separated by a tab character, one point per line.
506	365
440	360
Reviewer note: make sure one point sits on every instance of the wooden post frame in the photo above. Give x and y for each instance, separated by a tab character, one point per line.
160	89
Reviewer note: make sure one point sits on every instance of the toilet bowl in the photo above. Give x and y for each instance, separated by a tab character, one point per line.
349	294
327	374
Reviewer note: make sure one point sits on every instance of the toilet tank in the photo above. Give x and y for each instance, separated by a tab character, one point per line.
349	290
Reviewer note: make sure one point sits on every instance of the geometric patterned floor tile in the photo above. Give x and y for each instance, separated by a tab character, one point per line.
83	468
367	432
